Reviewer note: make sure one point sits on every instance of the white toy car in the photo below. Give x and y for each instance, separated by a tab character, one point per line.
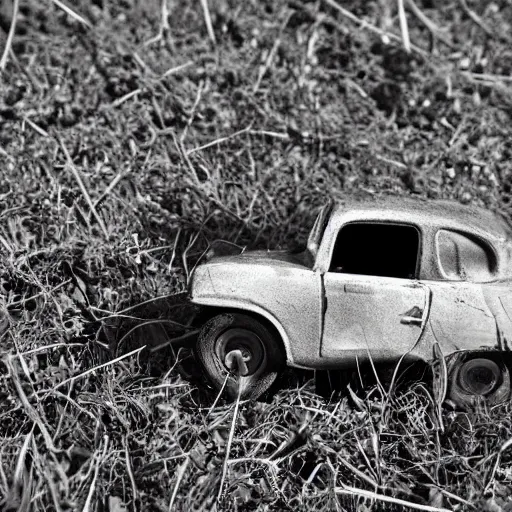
387	279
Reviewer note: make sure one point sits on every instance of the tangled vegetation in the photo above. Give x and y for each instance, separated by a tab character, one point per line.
133	134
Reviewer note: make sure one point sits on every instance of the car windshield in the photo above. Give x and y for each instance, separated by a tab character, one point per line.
315	237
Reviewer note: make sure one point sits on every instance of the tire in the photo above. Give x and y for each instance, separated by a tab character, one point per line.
480	378
263	356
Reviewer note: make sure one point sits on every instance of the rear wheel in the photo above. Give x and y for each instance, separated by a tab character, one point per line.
238	350
473	379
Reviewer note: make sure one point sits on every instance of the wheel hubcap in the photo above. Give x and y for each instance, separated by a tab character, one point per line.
247	343
479	376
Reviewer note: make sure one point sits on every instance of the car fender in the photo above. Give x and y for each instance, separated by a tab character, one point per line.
224	303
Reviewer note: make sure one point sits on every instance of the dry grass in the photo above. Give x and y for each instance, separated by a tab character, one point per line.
132	135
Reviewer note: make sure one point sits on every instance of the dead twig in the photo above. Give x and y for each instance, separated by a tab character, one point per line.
10	36
50	347
25	70
230	441
36	127
74	378
191	243
99	461
487	77
219	395
29	408
75	404
126	97
208	21
390	161
218	141
361	23
186	159
85	193
475	18
135	306
19	492
353	85
179	478
72	13
165	29
274	135
173	255
136	92
40	294
193	111
442	383
185	337
144	324
63	481
268	61
354	491
129	470
434	30
404	28
504	447
358	472
111	186
175	69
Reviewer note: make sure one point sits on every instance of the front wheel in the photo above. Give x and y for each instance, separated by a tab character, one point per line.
239	354
473	379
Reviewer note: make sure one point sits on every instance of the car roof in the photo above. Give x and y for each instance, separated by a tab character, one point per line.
434	212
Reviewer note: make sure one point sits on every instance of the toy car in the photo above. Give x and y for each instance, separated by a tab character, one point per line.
387	279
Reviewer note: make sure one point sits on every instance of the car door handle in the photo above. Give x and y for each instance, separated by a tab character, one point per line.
359	288
412	317
411	320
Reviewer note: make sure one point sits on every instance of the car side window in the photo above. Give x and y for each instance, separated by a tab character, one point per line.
462	258
377	249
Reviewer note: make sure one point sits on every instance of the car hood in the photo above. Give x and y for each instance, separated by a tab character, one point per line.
262	257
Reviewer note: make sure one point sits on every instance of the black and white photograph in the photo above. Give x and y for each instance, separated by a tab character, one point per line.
255	255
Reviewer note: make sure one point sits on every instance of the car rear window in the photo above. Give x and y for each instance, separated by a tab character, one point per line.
463	258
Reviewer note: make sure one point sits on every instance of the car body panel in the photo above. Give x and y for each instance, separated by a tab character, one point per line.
498	297
272	284
327	319
460	317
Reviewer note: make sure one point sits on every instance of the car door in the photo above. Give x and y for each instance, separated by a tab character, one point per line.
373	303
380	316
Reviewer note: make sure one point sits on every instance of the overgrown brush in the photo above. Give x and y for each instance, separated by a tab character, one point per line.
73	438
